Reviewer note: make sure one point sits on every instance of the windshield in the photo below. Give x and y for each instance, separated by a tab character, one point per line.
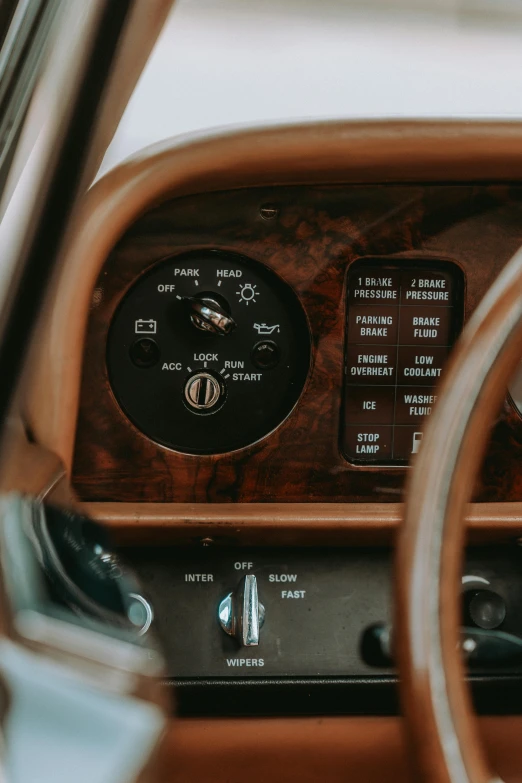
222	62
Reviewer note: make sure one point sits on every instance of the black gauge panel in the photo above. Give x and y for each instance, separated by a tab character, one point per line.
208	352
402	320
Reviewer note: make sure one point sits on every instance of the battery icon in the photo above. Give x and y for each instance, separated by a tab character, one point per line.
145	326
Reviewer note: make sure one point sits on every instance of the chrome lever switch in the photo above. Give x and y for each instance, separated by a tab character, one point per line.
241	614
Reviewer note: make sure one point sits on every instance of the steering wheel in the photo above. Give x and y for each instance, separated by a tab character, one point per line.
435	699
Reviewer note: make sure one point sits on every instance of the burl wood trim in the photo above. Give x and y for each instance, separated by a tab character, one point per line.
319	232
284	524
323	152
435	697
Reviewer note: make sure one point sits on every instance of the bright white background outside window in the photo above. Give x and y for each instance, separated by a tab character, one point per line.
223	62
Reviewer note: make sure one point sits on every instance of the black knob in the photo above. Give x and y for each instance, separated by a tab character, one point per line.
485	609
145	352
265	355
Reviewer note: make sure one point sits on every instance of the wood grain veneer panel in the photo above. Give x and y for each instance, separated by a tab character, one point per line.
320	231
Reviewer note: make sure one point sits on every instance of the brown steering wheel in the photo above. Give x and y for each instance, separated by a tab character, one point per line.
435	699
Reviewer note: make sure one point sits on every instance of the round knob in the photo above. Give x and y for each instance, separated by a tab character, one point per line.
486	609
209	316
203	391
140	613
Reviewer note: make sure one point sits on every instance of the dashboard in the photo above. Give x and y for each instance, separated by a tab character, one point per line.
232	373
286	343
240	375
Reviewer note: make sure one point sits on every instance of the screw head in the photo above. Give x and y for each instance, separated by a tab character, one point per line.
269	212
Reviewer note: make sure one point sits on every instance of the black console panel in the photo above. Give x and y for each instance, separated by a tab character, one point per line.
317	605
402	320
220	344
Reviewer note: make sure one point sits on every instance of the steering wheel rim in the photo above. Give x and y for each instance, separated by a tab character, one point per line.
436	703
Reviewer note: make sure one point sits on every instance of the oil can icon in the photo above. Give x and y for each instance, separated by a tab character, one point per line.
264	329
145	326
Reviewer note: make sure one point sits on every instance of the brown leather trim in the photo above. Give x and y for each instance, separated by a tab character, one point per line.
324	152
284	524
27	467
311	750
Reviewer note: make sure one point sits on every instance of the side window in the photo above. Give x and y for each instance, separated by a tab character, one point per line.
20	61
